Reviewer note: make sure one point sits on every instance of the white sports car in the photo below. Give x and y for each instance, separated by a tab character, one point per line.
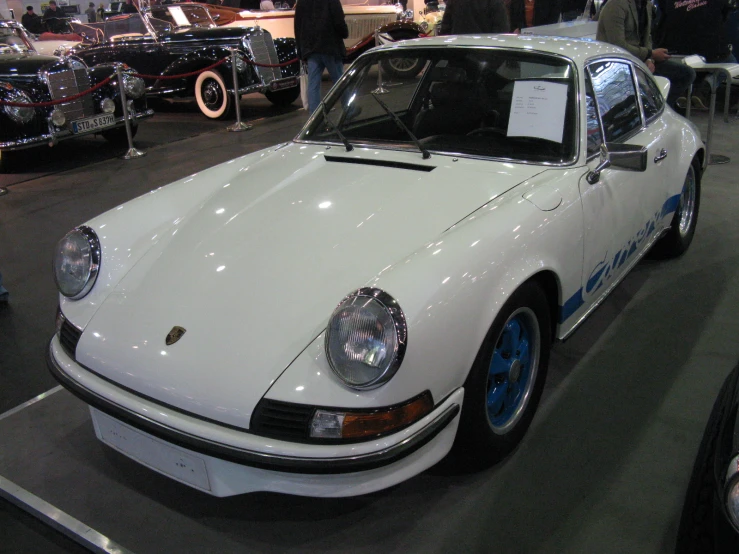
329	316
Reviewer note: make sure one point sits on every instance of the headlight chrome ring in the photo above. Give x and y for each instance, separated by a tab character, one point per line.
19	115
77	262
731	494
366	339
134	86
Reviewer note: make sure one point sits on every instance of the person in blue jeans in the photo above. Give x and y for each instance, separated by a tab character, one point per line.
320	30
4	294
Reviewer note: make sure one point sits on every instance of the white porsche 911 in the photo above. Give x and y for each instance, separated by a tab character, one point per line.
330	316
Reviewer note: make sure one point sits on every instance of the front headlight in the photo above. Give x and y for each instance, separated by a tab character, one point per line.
77	262
18	115
366	338
134	86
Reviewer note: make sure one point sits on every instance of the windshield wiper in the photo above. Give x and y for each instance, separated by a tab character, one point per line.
334	128
414	138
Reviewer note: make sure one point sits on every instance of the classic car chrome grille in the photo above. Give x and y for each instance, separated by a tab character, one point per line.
281	420
362	25
263	48
63	84
69	336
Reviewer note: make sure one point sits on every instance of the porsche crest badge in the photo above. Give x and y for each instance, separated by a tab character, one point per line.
175	334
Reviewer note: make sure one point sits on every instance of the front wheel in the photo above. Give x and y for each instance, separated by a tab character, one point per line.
212	95
682	228
283	97
505	383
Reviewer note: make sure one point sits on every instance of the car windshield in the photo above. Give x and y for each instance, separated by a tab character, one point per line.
482	102
13	41
183	16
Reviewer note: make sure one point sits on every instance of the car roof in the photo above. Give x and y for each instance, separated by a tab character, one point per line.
578	50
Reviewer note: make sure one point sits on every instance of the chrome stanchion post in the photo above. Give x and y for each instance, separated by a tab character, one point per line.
380	89
239	125
132	152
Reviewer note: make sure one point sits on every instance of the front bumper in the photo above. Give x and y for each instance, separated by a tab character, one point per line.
51	138
237	461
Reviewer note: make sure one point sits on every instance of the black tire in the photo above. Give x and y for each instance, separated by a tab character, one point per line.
485	438
283	97
212	95
702	515
117	137
682	227
402	68
7	161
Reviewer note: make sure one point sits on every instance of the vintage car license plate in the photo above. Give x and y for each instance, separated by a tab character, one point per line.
283	83
91	123
152	452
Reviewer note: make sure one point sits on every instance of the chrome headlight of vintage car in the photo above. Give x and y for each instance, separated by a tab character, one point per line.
17	114
366	338
732	492
77	262
134	86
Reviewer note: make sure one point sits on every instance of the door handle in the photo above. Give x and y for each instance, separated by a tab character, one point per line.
661	156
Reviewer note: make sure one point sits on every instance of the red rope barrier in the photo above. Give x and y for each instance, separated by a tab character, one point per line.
142	76
60	101
183	75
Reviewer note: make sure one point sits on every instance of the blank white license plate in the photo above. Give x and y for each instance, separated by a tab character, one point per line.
151	452
93	123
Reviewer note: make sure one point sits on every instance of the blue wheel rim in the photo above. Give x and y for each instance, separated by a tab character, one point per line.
512	370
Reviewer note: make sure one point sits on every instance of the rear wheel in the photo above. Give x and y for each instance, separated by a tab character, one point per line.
402	68
212	95
682	228
504	385
283	97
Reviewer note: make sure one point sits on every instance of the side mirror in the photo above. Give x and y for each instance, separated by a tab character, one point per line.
623	156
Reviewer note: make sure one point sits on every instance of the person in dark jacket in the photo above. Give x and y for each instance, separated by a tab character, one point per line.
464	17
696	28
320	30
129	7
32	21
532	13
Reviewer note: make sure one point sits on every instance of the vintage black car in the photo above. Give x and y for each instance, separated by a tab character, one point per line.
29	77
176	40
710	517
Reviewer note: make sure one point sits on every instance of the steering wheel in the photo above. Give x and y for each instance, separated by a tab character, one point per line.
487	131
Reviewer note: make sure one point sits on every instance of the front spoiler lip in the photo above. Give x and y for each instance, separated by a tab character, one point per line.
285	464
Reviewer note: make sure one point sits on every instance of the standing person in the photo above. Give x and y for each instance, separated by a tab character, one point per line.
697	29
465	17
129	7
320	30
32	21
627	23
101	12
532	13
91	14
51	16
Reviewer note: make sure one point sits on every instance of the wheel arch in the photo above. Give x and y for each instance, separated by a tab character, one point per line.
549	282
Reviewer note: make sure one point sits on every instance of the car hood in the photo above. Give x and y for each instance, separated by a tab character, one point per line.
253	273
29	63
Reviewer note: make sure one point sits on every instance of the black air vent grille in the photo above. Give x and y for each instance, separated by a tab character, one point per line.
69	336
281	420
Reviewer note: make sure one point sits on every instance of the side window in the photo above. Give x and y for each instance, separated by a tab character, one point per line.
651	96
614	90
595	136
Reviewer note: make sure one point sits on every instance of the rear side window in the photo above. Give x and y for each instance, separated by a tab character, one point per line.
651	96
614	91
